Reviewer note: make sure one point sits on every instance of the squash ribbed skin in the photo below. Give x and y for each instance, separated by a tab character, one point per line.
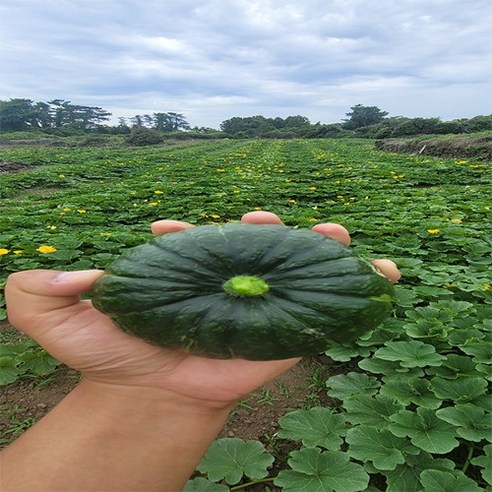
170	292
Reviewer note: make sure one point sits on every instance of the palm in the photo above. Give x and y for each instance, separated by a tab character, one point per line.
90	343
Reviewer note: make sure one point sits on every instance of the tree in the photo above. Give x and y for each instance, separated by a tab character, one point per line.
136	120
170	122
18	115
361	116
259	126
65	114
296	121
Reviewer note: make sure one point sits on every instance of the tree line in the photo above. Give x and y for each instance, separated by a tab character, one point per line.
61	117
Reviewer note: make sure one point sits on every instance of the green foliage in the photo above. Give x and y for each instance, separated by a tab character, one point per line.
485	463
419	383
25	114
24	359
313	470
141	135
232	458
317	426
363	116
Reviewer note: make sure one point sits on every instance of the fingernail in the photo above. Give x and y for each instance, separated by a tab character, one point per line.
69	277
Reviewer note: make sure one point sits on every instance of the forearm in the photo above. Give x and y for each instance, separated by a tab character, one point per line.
96	440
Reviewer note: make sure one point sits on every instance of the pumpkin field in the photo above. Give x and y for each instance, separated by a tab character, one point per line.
406	408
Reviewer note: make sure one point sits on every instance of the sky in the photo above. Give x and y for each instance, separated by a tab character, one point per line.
212	60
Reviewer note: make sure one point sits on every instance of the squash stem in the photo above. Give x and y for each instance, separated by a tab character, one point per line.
246	286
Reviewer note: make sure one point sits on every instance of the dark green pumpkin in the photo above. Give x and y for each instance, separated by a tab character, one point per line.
258	292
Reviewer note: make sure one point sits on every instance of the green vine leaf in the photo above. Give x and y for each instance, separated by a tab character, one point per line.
317	426
454	308
343	353
485	462
481	352
315	471
459	338
453	367
431	314
410	354
389	368
353	383
407	476
405	297
9	370
427	329
201	484
472	423
230	459
460	390
371	410
39	361
382	448
425	430
446	481
411	390
389	330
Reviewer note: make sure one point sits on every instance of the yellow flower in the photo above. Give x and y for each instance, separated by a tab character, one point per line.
215	216
456	221
158	192
154	204
51	227
81	211
4	251
220	170
487	287
292	201
46	249
61	175
433	231
312	188
18	251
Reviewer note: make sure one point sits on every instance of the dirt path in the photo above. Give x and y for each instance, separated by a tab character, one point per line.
13	167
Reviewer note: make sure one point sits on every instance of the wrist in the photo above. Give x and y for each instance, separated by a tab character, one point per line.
130	438
148	402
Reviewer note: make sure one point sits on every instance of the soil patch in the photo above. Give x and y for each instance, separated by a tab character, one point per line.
460	147
25	402
256	416
13	167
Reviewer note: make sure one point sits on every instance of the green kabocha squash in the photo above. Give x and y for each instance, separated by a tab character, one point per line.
258	292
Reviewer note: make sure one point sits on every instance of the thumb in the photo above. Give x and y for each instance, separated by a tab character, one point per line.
33	294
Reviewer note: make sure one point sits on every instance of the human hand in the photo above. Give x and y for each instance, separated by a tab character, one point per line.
46	305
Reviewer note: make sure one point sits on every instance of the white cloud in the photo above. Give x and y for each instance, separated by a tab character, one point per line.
214	59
